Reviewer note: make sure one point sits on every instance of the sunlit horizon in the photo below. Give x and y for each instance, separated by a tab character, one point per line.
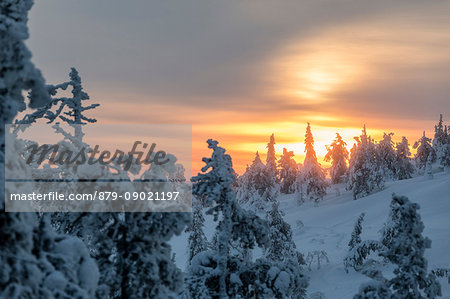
243	153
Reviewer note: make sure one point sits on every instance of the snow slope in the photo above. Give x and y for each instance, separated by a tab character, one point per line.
329	225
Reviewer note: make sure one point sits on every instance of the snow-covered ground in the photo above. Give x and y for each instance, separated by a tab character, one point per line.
328	227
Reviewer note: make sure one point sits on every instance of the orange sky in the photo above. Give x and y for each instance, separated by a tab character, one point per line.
243	138
240	71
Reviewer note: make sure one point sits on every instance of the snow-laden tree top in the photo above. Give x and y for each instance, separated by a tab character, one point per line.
17	72
68	109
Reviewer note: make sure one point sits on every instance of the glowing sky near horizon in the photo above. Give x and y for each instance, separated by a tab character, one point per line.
239	71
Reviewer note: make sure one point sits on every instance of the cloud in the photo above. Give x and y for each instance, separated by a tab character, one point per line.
215	49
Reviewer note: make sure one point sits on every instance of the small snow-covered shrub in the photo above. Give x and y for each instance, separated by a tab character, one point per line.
320	256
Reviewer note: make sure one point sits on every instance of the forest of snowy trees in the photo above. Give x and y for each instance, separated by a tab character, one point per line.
252	253
364	169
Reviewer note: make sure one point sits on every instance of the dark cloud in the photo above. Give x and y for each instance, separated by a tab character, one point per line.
215	54
177	48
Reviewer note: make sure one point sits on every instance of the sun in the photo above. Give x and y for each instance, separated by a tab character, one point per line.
316	72
316	82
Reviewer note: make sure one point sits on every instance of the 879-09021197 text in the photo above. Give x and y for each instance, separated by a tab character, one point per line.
102	196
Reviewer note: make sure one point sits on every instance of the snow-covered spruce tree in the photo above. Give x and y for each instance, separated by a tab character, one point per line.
441	144
270	175
197	239
243	190
214	185
271	160
447	132
281	244
429	168
252	181
424	150
28	269
312	176
356	234
36	262
279	274
132	252
375	289
403	245
310	157
145	265
282	277
405	249
73	273
357	257
337	153
225	271
442	273
359	250
69	110
288	172
403	166
158	178
282	254
18	72
257	187
131	249
215	188
65	223
177	181
365	174
39	263
387	156
127	246
270	279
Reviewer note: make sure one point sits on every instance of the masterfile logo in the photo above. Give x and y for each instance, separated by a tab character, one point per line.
98	168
